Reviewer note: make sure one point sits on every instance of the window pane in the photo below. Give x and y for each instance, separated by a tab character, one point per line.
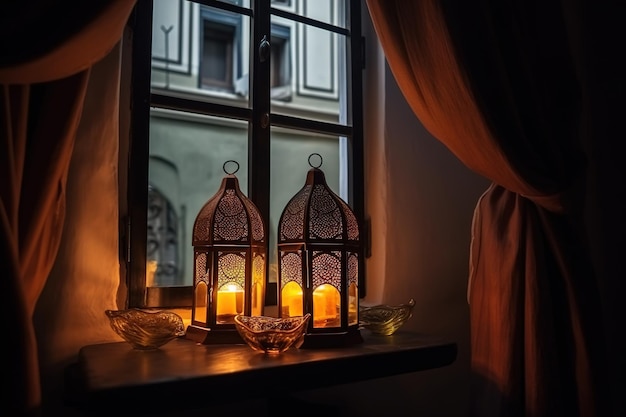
200	52
326	11
312	63
187	153
281	73
290	151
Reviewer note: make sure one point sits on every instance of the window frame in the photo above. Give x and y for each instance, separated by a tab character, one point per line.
134	156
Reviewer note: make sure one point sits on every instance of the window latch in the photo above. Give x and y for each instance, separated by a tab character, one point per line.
264	49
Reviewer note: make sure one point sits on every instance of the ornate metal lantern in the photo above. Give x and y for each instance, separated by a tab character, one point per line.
319	249
230	254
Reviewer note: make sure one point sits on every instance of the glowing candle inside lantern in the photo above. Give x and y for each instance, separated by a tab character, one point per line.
229	301
324	305
352	310
292	300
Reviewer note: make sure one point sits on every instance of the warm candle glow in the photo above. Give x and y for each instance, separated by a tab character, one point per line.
229	302
257	299
325	306
353	306
292	300
151	268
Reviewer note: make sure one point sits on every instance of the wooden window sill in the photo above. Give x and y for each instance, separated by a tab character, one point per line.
171	377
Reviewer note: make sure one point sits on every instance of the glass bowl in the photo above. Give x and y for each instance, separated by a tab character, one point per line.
272	335
385	319
144	329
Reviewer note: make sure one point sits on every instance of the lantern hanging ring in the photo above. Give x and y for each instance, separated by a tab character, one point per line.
320	163
234	162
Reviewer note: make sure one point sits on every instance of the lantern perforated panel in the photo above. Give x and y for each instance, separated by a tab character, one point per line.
292	220
326	269
353	268
202	227
256	222
291	267
325	220
231	269
231	220
351	223
258	267
201	268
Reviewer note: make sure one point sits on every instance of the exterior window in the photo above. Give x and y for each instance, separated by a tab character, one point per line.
203	93
217	56
163	245
220	56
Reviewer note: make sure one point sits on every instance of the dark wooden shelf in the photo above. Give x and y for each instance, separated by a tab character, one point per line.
110	374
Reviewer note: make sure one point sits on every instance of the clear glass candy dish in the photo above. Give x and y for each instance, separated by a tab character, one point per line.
272	335
146	329
385	319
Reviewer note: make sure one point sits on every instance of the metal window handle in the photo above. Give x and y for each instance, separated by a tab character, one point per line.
264	49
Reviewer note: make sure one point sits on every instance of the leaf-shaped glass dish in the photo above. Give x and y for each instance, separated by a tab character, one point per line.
272	335
145	329
385	319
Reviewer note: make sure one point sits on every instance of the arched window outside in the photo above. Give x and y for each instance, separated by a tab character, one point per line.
163	265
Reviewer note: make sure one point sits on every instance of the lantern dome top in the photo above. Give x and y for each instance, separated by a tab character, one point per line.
317	214
229	217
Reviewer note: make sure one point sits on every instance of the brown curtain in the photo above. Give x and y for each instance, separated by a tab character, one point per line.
46	54
497	82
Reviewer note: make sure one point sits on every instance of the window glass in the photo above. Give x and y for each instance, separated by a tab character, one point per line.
187	154
208	102
318	81
164	243
281	73
200	53
330	12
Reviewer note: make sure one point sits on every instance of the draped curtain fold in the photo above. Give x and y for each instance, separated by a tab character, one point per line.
43	81
497	83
